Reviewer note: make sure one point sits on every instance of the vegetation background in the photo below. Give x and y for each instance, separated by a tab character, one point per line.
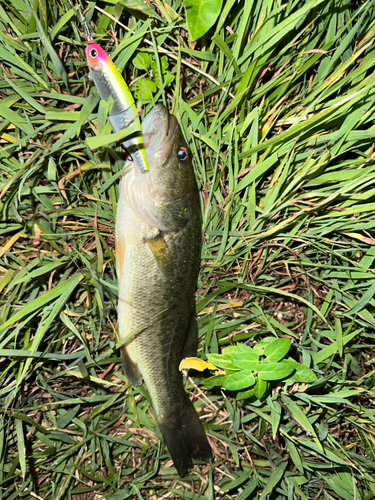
277	103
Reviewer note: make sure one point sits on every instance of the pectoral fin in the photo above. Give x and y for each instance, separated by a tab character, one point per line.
162	255
191	343
120	252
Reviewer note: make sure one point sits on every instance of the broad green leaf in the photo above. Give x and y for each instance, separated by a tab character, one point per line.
201	15
276	350
243	348
142	61
236	482
216	380
6	279
249	488
239	380
164	64
222	361
260	388
230	351
302	374
250	356
275	371
66	137
246	364
144	89
203	302
168	78
225	49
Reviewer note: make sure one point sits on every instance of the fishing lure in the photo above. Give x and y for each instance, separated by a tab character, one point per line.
112	88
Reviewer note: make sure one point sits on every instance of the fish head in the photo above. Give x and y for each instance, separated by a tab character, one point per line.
165	196
171	173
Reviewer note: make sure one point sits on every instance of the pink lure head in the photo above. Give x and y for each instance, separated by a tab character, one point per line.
96	56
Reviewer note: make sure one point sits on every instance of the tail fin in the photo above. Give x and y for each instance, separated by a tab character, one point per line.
185	438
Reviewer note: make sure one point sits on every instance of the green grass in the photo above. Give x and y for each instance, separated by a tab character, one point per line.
277	104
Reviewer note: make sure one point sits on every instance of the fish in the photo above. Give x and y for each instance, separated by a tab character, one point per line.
158	249
112	88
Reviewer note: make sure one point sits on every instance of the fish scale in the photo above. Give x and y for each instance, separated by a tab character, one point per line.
158	248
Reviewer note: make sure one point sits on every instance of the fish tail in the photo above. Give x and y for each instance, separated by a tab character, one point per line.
185	438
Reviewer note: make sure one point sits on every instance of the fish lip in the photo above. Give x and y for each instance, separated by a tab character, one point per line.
171	123
158	128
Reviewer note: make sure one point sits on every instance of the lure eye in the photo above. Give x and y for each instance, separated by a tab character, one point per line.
93	53
182	154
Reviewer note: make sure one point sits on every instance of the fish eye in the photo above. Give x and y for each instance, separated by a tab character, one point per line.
93	53
182	154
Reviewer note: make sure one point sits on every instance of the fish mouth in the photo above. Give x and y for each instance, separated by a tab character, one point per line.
158	129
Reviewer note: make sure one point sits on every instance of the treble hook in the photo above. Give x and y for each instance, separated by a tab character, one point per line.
82	20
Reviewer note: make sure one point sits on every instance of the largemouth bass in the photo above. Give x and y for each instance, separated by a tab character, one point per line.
158	248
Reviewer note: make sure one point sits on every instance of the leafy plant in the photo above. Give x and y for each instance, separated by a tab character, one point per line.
144	88
257	367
